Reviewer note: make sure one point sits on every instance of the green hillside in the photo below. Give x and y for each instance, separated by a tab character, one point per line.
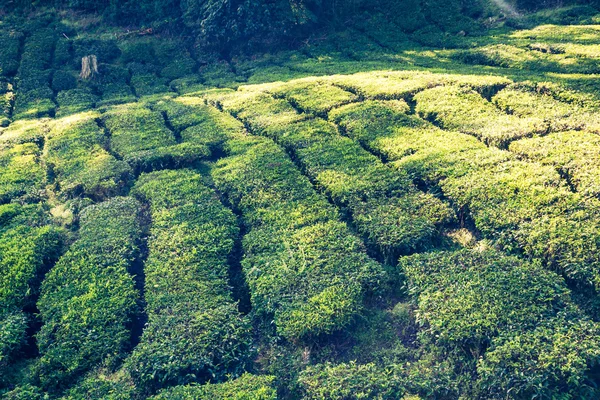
402	202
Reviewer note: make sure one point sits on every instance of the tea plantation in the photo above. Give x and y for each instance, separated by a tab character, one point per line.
382	211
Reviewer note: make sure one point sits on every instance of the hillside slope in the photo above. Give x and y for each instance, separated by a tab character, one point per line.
381	213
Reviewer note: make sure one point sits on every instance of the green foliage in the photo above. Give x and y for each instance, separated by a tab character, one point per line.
75	153
526	207
13	336
385	205
573	153
10	43
465	110
246	387
513	317
24	131
25	392
194	330
89	299
314	96
142	139
74	101
34	97
100	385
28	247
63	80
351	381
199	123
532	365
20	171
295	249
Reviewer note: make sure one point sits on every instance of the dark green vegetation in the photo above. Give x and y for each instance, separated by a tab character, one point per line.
406	208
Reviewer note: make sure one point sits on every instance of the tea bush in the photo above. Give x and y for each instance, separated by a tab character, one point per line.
296	249
194	332
465	110
75	152
89	300
489	306
246	387
21	173
377	198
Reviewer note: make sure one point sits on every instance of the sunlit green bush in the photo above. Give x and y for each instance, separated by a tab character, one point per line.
246	387
89	299
295	249
75	152
20	171
195	332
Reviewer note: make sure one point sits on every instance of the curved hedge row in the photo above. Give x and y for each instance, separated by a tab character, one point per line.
386	207
524	206
463	109
514	322
302	265
141	138
28	247
89	298
21	173
246	387
34	97
195	332
75	153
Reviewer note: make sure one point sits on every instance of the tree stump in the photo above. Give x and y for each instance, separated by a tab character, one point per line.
89	67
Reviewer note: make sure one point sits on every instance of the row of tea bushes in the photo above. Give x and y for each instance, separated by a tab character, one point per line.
523	206
575	154
246	387
10	48
75	152
397	85
304	268
88	300
29	246
140	137
313	95
6	102
34	96
511	321
10	43
394	216
561	110
21	173
24	131
462	109
194	332
199	123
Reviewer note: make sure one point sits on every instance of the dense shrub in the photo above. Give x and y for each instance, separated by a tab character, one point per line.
20	171
10	43
351	381
141	137
74	101
465	110
24	131
75	152
296	248
246	387
524	206
194	331
102	385
63	80
28	248
385	205
88	299
34	96
508	315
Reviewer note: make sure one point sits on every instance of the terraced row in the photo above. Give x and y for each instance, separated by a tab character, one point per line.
386	208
